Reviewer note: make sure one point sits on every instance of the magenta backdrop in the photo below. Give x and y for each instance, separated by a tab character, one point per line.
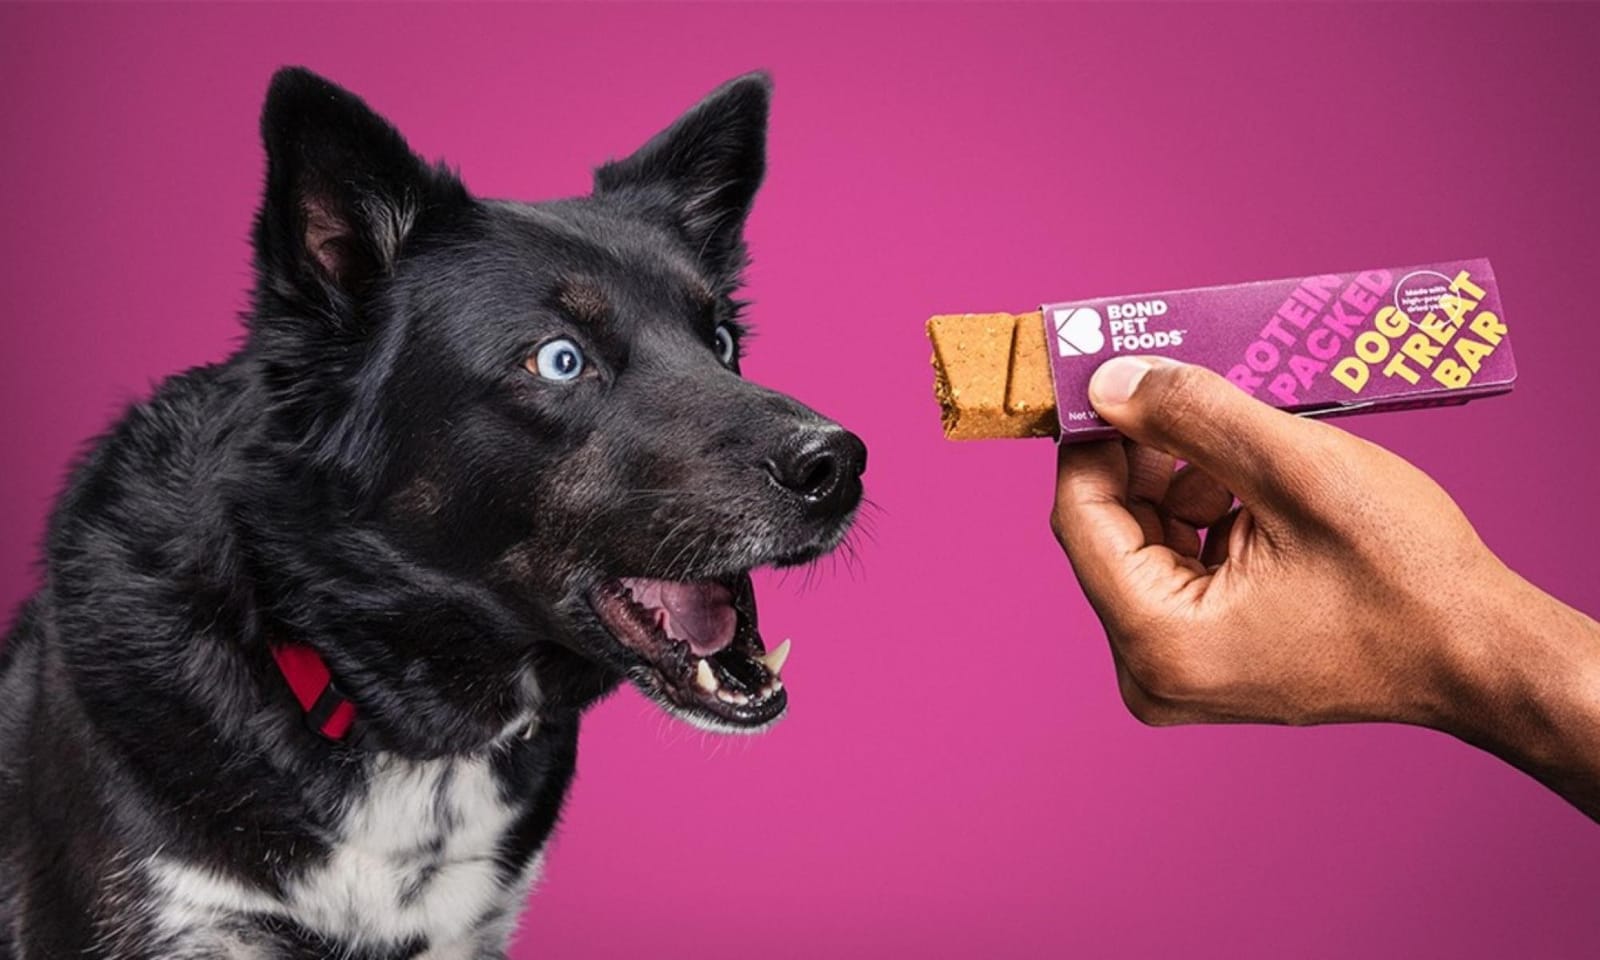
957	776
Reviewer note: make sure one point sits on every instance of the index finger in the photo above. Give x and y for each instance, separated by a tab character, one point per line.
1091	517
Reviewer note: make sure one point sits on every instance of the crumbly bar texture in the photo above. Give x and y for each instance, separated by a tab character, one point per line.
991	376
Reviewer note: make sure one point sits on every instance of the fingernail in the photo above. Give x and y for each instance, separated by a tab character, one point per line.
1116	379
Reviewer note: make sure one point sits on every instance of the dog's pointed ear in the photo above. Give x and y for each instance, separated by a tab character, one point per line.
702	172
343	191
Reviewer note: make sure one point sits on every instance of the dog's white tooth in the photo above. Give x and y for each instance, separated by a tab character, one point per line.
741	698
726	696
704	678
776	658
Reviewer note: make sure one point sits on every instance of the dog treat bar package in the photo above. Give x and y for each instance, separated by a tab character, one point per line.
1319	346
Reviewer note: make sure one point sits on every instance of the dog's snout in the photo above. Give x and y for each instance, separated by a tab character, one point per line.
823	467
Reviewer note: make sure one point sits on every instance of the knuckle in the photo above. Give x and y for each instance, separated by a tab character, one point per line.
1169	674
1140	708
1134	698
1174	680
1155	694
1058	522
1147	709
1161	716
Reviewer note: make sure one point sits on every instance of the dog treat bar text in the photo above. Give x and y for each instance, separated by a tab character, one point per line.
1323	318
1456	324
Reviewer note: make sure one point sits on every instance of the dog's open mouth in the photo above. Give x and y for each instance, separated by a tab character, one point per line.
702	653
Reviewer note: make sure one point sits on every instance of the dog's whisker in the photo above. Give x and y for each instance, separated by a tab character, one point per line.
667	539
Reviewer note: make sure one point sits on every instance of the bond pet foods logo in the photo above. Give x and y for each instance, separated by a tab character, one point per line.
1081	331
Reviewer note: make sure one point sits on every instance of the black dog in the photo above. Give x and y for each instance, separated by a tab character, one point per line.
318	622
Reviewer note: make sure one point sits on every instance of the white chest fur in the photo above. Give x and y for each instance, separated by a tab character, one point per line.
413	856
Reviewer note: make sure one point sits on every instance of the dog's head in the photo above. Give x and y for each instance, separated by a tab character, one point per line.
542	403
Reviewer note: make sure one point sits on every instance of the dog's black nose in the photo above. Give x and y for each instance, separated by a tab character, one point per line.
824	468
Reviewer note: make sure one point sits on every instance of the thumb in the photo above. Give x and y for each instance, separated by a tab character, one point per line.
1253	449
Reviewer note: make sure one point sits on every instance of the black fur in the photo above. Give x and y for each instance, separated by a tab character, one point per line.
377	473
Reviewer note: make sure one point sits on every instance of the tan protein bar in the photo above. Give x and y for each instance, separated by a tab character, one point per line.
992	375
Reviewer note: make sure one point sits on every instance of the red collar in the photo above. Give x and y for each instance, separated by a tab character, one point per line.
328	711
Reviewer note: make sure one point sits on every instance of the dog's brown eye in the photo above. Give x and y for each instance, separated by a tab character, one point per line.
723	341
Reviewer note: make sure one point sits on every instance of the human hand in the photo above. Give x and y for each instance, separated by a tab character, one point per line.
1348	586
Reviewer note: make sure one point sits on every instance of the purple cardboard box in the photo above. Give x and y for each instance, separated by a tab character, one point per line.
1318	346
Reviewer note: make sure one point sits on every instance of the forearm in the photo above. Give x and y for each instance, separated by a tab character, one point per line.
1530	690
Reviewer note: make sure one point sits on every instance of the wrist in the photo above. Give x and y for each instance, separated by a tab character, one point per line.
1523	682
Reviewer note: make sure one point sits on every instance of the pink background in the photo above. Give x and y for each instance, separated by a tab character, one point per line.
957	777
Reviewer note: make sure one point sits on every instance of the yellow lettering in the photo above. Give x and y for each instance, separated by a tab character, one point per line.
1391	322
1472	352
1372	347
1463	284
1419	349
1488	326
1452	374
1397	364
1440	330
1352	373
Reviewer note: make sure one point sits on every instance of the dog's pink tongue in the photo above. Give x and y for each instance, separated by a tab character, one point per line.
699	614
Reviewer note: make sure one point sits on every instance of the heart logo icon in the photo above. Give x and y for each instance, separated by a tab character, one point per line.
1078	331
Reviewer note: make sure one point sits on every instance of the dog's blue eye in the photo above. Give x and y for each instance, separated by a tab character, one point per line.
559	360
723	341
